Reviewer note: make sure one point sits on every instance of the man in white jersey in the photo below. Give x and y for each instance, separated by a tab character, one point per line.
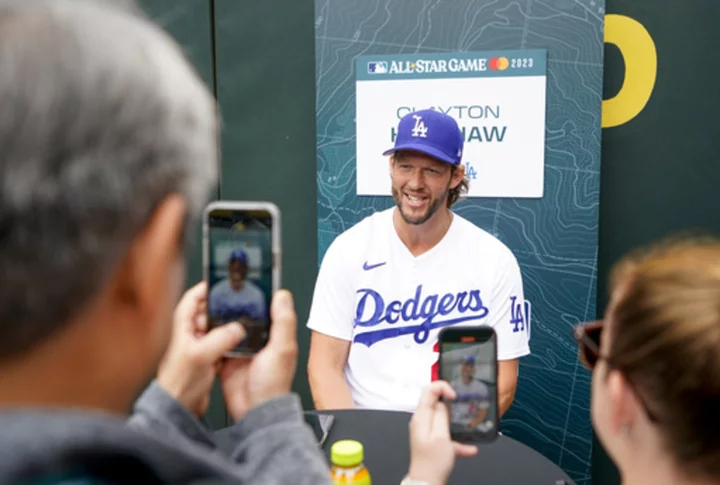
388	285
473	398
235	298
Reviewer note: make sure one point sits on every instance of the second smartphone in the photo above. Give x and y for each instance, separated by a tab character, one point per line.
241	256
468	361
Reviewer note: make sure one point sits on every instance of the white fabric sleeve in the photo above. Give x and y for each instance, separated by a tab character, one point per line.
506	306
332	309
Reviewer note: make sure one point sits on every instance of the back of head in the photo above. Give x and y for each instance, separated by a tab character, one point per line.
102	120
666	338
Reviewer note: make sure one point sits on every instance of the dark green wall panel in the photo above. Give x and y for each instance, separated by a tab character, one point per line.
266	89
660	172
190	23
658	176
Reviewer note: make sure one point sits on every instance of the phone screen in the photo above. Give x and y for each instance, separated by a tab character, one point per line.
468	361
240	273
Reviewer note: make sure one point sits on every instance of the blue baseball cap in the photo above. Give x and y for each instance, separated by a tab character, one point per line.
432	133
469	359
238	255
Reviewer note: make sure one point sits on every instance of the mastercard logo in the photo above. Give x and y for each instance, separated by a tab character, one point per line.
498	63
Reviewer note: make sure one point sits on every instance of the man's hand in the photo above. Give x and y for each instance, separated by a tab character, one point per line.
432	452
191	361
249	382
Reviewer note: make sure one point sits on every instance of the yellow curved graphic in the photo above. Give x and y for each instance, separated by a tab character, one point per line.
638	51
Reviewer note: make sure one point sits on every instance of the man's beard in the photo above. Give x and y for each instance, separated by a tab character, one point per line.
431	210
237	285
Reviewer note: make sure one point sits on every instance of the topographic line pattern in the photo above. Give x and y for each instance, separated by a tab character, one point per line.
554	238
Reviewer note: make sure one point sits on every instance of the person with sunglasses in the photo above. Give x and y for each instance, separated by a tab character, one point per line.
656	365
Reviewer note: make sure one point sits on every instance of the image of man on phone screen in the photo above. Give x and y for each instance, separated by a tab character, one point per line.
471	408
235	298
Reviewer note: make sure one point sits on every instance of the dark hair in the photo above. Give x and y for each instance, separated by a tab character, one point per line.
665	338
458	192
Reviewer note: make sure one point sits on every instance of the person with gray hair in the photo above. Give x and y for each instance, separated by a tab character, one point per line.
107	156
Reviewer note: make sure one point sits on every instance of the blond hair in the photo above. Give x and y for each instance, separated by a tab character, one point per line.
666	341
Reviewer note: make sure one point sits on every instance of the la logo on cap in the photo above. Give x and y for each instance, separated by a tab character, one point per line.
419	130
429	132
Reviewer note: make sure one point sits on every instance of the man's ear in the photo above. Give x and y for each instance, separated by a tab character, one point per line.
457	175
152	262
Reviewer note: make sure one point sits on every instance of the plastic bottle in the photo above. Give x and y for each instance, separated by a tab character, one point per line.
347	463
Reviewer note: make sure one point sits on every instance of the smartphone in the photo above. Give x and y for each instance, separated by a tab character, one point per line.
320	424
468	361
241	262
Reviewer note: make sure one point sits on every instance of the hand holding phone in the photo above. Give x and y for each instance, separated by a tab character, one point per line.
432	451
241	255
188	368
248	383
468	361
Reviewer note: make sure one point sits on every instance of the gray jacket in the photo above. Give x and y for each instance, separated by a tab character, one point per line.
161	443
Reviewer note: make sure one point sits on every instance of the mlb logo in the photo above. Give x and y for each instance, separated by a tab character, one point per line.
377	68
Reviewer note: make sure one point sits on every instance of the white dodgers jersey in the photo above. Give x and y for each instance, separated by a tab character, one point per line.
391	305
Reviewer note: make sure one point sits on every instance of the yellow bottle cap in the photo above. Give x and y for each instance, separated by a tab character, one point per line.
346	453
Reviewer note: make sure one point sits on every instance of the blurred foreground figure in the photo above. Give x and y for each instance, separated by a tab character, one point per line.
107	154
656	379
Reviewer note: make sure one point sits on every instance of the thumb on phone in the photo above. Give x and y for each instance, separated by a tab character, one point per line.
283	331
220	340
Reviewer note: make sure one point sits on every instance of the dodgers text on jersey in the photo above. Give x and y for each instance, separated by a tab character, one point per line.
372	311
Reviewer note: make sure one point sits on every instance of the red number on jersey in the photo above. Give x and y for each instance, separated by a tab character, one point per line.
472	409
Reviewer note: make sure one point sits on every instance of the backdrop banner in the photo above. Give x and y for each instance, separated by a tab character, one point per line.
535	189
497	98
